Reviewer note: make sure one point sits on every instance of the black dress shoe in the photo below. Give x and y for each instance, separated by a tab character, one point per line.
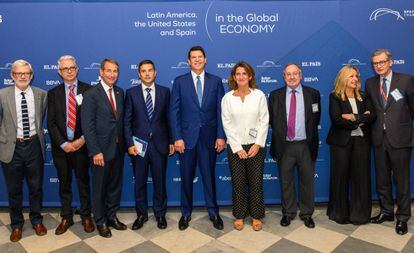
380	218
217	222
285	221
104	231
308	221
115	223
138	223
183	223
401	227
161	222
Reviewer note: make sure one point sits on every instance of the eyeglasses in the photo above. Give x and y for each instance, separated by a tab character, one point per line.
73	68
379	63
22	74
296	74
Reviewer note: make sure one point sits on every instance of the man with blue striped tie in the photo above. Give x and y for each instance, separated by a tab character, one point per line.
22	146
146	121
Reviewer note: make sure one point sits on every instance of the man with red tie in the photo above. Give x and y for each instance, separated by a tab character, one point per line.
102	126
68	144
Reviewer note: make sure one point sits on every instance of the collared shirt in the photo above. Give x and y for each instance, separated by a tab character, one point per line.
388	78
29	96
152	92
245	122
106	88
69	131
358	131
300	127
202	75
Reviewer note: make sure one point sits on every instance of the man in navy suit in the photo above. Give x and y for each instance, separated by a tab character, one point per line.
146	118
197	132
102	126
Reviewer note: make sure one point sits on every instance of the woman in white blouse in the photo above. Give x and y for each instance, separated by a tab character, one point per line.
245	120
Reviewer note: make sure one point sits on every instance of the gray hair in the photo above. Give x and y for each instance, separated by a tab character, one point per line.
66	57
382	51
20	63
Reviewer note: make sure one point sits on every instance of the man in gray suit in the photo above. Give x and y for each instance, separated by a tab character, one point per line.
22	146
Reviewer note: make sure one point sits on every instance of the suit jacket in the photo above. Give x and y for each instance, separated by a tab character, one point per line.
56	115
278	121
397	116
190	121
137	122
8	120
340	131
100	127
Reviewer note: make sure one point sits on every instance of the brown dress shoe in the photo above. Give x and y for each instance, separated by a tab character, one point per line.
63	226
88	225
16	235
40	229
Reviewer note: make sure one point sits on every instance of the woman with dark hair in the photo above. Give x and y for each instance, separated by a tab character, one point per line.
245	121
351	113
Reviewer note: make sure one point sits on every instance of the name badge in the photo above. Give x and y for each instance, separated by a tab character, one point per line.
315	108
253	132
79	99
396	94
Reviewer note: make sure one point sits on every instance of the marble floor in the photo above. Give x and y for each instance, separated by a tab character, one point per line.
201	237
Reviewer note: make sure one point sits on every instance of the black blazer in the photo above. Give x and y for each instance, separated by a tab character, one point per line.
340	131
56	118
397	115
100	127
137	122
278	121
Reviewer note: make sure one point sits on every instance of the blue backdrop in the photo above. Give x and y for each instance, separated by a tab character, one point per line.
320	36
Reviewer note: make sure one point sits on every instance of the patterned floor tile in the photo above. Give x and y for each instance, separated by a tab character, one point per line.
325	222
352	245
12	247
271	224
48	242
248	240
382	235
120	240
182	241
217	247
77	229
4	235
79	247
288	246
409	247
206	226
150	229
145	247
318	238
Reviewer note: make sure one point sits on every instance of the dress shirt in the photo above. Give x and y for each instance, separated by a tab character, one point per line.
240	119
388	78
30	107
69	131
194	75
152	92
358	131
300	127
106	88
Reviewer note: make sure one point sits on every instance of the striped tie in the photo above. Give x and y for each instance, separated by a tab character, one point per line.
25	118
148	103
71	108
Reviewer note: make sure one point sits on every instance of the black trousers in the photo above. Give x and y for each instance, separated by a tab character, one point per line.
247	182
395	163
26	164
65	163
350	182
107	188
297	154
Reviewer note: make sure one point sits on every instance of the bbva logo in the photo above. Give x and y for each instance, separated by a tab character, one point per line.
384	11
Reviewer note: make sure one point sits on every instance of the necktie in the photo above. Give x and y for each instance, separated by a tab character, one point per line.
25	118
384	91
199	90
148	103
111	99
292	116
71	108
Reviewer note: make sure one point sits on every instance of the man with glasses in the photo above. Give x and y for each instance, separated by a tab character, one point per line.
392	95
68	144
22	146
295	113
